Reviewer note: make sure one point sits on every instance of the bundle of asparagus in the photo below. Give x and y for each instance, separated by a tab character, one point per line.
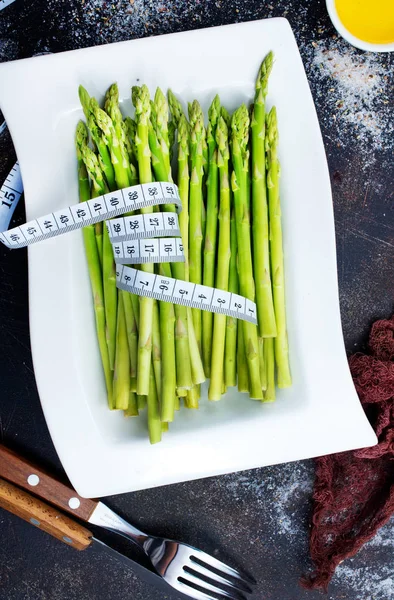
156	354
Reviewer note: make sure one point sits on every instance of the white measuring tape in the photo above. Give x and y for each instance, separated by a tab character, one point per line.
90	212
10	193
186	293
136	239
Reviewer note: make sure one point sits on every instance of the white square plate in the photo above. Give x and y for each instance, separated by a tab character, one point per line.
102	452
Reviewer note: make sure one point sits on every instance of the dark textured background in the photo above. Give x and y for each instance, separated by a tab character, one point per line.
258	517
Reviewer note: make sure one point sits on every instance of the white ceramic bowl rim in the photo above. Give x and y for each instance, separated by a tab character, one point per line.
352	39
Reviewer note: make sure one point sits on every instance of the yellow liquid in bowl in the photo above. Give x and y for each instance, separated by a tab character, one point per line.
369	20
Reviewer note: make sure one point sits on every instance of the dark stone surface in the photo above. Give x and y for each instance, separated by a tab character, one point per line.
260	517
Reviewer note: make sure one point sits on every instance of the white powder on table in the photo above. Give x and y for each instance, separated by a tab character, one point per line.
354	92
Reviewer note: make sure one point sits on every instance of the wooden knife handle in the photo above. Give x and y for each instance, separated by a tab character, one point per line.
35	480
44	517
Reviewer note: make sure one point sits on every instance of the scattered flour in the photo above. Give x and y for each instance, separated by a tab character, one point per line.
384	537
369	582
354	92
288	486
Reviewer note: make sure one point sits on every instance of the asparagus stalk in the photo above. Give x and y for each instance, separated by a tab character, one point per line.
141	402
230	353
192	398
171	138
175	108
263	369
167	324
107	259
110	295
106	254
84	99
132	409
161	107
122	362
195	205
156	349
141	101
276	246
94	267
240	156
224	253
159	168
269	363
183	185
261	253
198	375
130	129
154	422
226	116
242	365
211	229
132	338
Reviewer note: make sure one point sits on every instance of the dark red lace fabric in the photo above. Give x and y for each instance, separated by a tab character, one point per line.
354	491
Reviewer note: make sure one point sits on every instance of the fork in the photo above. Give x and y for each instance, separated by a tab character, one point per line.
187	569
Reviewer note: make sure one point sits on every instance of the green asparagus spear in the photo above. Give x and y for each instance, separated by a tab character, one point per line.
156	349
240	157
154	422
113	111
224	253
261	254
195	205
269	364
94	267
171	138
211	229
105	250
130	128
276	246
263	368
84	99
230	354
242	365
167	324
132	338
175	108
161	107
141	101
183	185
122	362
198	375
226	116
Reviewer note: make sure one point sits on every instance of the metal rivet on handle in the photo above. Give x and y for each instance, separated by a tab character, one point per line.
67	539
33	479
74	503
35	522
